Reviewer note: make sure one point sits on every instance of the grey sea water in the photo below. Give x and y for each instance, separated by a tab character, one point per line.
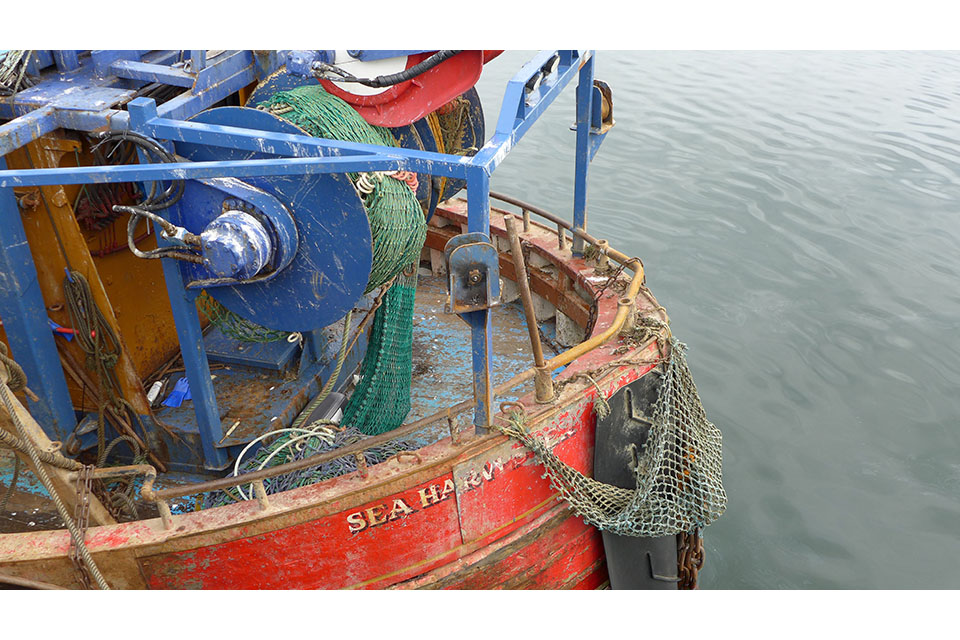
798	214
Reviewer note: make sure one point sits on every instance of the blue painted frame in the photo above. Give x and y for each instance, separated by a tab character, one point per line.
24	316
214	80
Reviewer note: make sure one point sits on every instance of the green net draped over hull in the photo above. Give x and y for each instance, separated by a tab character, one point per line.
398	229
678	476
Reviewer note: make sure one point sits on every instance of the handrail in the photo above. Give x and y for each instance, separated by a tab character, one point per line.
624	314
622	258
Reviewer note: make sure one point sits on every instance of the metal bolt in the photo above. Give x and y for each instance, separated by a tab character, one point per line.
474	276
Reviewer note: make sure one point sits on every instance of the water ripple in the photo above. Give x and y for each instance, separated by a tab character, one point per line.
798	216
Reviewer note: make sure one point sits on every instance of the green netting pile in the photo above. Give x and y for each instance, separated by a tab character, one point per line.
396	219
236	326
381	400
303	443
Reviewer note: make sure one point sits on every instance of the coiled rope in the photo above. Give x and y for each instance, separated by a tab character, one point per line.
13	71
102	347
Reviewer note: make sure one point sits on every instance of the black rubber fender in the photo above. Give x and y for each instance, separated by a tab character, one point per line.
632	562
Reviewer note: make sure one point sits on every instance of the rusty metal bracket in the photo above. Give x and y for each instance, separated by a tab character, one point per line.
506	406
543	386
453	424
409	454
473	273
630	320
146	492
261	492
602	91
603	262
166	517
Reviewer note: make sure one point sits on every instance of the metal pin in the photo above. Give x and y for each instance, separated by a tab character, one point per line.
261	492
229	431
361	465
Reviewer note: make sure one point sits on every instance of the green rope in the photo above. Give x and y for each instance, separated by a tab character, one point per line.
328	387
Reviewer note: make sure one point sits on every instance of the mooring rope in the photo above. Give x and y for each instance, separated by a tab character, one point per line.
12	371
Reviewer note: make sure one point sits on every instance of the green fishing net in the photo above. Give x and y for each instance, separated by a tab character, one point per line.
381	400
396	219
678	473
236	326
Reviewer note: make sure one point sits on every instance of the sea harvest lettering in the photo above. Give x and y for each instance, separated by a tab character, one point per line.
421	499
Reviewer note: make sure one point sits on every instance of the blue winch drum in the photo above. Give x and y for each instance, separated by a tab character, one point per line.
331	266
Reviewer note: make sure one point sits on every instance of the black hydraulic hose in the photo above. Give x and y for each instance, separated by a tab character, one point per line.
153	149
153	201
161	252
394	78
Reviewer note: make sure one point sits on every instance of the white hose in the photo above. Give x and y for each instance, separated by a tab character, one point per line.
328	438
307	433
236	465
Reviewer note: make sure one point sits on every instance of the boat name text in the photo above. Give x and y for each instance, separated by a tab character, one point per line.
423	498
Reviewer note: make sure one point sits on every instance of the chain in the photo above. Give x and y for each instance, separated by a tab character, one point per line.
547	340
81	515
689	558
592	318
108	499
77	534
558	385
